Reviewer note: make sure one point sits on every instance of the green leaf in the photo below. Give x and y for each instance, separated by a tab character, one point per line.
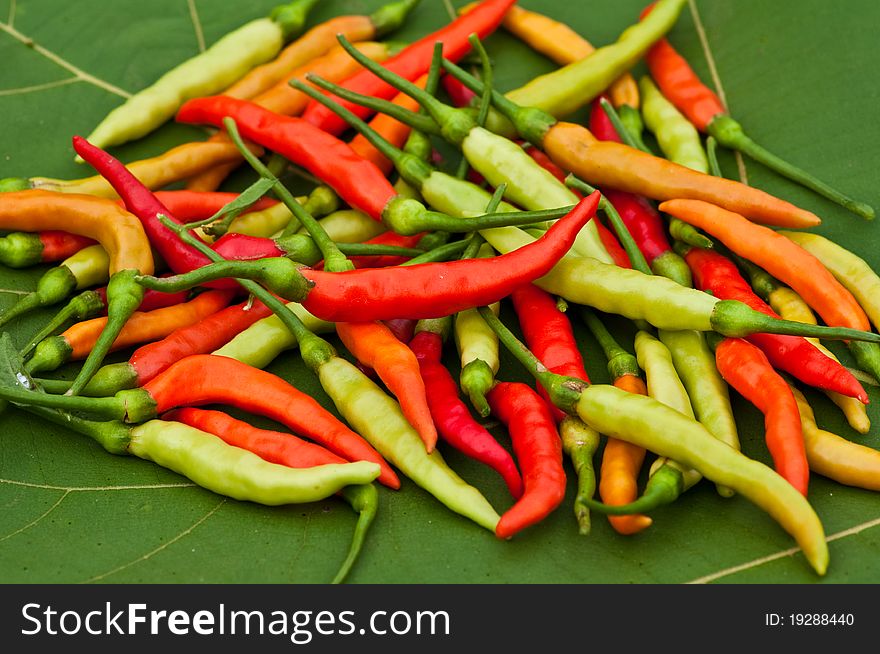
802	81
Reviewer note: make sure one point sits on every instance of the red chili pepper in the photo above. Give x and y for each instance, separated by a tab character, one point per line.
609	240
793	354
548	333
435	290
413	61
143	203
189	206
152	299
209	379
356	180
453	419
747	370
538	450
274	446
402	328
58	245
383	261
459	94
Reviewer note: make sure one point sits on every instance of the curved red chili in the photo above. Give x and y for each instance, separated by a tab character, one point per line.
793	354
453	420
538	450
548	333
356	180
413	61
435	290
58	245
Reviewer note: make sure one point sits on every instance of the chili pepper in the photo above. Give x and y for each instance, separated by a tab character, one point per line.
84	268
704	109
451	416
177	163
613	165
389	238
201	336
538	449
478	353
788	262
657	300
197	205
287	450
650	424
849	269
120	234
322	201
373	344
318	41
208	72
414	60
75	343
282	99
548	333
210	379
497	159
580	443
676	135
93	302
562	45
621	461
746	368
422	291
609	240
790	306
25	249
719	275
349	226
836	457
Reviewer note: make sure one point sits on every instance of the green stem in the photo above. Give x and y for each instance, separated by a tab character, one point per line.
712	156
563	391
620	362
411	168
530	122
86	304
365	500
56	284
633	126
636	258
663	487
218	224
409	217
455	124
415	120
730	134
334	260
485	98
441	253
630	139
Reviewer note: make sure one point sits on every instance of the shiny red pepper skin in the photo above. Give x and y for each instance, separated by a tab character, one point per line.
793	354
413	62
548	333
58	245
454	422
189	206
538	450
358	182
435	290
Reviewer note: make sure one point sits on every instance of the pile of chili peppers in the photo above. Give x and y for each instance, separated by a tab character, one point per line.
424	270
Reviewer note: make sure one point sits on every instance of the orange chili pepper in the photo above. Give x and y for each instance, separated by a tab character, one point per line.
779	256
77	341
746	368
374	345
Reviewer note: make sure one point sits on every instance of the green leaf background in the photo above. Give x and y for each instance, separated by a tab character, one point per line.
803	79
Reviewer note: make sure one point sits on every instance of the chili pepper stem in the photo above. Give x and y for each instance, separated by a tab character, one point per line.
84	305
664	487
364	499
729	133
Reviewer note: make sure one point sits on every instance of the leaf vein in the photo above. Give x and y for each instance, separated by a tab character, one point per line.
37	519
161	547
60	61
716	80
88	489
39	87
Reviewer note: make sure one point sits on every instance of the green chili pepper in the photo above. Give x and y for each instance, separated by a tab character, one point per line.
322	201
88	267
678	138
708	392
349	226
478	348
205	74
564	91
645	422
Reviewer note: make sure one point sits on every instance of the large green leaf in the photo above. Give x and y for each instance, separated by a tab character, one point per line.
802	77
